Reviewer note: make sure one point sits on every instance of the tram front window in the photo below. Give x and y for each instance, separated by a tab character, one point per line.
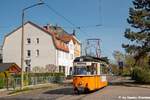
88	70
80	71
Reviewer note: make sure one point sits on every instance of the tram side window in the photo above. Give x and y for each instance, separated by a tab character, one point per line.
74	70
91	70
102	68
94	68
88	70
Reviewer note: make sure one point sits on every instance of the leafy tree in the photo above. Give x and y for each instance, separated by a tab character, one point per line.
129	60
114	69
139	32
118	56
129	63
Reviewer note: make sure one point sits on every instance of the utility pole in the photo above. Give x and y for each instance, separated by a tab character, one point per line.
22	41
22	51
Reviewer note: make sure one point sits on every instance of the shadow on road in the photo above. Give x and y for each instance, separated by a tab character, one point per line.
64	91
67	91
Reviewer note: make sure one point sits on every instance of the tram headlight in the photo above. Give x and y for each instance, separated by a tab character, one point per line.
80	83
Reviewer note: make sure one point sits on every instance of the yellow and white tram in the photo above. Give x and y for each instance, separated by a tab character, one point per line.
88	74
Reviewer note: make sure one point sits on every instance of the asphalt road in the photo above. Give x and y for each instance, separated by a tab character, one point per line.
116	91
112	92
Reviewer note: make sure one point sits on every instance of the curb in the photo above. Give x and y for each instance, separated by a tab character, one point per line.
137	85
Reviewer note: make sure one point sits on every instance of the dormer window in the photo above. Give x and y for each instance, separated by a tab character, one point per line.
28	40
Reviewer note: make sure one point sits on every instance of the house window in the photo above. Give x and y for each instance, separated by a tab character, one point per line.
62	69
71	46
37	52
28	40
70	71
66	54
59	54
28	53
59	69
37	40
71	56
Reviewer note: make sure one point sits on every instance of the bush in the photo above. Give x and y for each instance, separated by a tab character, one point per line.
58	79
126	73
31	78
141	75
40	74
2	83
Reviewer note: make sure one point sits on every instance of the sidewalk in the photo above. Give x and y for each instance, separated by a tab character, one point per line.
136	85
126	81
131	83
5	92
68	81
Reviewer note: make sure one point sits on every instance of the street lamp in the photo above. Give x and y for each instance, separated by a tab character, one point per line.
22	39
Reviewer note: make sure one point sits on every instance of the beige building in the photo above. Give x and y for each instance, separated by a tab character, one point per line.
43	47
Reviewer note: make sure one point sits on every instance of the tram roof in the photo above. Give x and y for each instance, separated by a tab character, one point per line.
88	59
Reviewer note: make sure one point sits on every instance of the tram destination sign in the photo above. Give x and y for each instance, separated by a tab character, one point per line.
82	64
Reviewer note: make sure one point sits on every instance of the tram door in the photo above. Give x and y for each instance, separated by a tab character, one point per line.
98	77
94	72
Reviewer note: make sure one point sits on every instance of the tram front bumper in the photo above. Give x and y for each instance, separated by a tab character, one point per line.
79	89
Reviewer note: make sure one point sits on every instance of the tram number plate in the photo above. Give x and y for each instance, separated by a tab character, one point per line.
81	88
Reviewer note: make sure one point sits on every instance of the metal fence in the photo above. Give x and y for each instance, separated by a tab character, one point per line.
13	83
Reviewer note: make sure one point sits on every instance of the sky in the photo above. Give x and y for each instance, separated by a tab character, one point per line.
111	14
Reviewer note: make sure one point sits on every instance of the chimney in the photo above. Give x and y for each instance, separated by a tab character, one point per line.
56	27
47	27
74	33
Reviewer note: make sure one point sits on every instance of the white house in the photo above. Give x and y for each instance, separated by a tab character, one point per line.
42	47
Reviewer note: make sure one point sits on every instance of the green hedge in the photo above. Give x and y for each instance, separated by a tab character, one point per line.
33	78
40	74
2	83
141	75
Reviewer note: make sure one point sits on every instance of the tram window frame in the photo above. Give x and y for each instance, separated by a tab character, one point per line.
88	70
80	70
94	69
